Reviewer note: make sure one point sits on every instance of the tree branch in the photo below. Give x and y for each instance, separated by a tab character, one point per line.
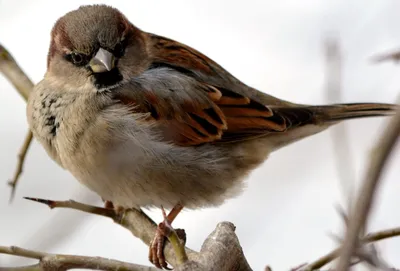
393	56
220	251
61	262
136	221
71	204
22	83
365	199
20	163
13	72
369	238
341	144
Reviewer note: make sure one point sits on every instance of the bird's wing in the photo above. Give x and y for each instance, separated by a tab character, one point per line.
189	112
196	101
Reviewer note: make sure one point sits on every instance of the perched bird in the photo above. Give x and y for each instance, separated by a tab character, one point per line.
146	121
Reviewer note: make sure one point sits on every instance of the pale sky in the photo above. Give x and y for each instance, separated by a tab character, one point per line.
284	216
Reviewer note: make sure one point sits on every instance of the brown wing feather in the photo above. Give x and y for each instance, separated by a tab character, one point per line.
217	121
191	123
195	101
210	112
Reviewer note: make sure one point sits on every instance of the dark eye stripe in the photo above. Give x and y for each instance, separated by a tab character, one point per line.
77	59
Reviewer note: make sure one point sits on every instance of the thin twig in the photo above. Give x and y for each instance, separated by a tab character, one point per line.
20	163
71	204
341	145
13	72
136	221
63	262
369	238
393	56
359	213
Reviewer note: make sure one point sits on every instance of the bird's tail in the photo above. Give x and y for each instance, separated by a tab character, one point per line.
338	112
304	120
327	115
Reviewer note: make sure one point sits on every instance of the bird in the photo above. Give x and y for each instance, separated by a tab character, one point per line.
146	121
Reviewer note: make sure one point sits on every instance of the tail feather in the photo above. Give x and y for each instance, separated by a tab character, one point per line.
338	112
300	115
304	121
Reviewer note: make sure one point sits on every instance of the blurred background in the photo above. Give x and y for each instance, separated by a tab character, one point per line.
285	215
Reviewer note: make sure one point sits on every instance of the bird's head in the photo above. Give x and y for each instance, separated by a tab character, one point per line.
95	45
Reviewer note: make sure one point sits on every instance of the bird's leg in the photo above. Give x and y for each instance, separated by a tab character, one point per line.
110	205
156	251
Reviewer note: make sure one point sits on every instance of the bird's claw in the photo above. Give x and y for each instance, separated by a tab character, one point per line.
156	252
165	230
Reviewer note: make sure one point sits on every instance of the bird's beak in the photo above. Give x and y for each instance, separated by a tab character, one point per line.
103	61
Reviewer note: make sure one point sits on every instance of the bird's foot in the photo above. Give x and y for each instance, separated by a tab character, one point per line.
163	231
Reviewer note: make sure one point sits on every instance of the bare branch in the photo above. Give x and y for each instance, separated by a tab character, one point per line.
369	238
21	158
220	251
365	198
341	144
136	221
17	77
70	204
13	72
61	262
393	56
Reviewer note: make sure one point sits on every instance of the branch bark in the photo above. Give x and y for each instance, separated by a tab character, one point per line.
136	221
13	72
220	251
61	262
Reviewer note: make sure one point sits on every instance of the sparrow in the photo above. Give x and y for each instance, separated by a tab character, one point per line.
146	121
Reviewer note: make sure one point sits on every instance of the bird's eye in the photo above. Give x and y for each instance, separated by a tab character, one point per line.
77	59
119	50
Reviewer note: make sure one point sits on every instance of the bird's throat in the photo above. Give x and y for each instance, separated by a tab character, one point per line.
107	80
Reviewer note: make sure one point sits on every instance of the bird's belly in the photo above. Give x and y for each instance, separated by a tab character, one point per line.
131	177
139	172
123	161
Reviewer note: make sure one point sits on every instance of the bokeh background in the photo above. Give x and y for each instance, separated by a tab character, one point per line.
288	209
